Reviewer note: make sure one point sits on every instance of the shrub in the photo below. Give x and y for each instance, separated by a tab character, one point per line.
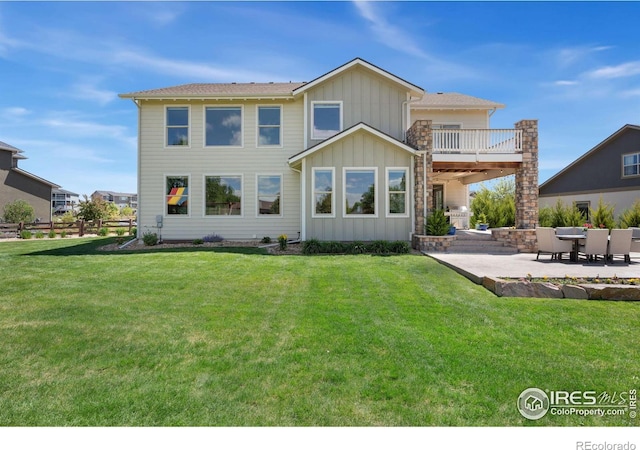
213	238
39	235
134	231
266	240
93	209
379	247
356	248
198	242
120	231
497	203
631	217
311	247
437	224
602	216
52	234
104	231
282	240
68	217
63	234
333	247
25	234
561	215
150	238
400	247
18	211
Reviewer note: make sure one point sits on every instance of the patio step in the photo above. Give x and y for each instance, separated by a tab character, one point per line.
479	243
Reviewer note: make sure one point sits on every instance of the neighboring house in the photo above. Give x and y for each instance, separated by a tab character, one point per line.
63	201
120	199
18	184
356	154
610	170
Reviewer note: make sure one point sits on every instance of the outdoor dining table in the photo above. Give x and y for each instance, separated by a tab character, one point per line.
576	242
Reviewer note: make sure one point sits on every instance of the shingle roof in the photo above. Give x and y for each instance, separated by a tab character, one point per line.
218	90
11	148
454	100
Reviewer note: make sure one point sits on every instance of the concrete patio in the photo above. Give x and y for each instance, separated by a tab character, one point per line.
520	265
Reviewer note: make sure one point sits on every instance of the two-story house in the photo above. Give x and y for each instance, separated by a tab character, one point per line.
609	171
355	154
120	199
18	184
63	201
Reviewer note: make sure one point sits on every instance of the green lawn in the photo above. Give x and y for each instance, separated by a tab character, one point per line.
202	337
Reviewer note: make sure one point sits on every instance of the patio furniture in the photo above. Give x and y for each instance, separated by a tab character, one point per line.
548	243
595	244
635	240
568	230
620	244
576	238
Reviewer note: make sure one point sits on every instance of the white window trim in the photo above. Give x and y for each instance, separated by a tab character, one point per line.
387	192
441	124
326	102
164	198
204	196
315	215
344	193
623	165
269	216
166	127
204	126
270	126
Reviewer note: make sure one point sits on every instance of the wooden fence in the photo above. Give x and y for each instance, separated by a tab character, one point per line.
79	228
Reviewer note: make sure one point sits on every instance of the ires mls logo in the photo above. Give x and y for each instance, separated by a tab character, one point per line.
534	403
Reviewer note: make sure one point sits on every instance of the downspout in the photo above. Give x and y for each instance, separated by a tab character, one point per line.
138	214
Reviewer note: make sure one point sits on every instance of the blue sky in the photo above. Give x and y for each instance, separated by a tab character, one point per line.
574	66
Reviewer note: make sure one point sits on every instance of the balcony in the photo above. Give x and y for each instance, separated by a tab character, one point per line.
477	145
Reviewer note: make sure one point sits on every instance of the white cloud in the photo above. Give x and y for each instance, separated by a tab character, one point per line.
566	83
72	125
628	69
572	55
388	34
13	112
87	91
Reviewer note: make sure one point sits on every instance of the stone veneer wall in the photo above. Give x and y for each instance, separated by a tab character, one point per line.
420	137
432	243
524	240
527	177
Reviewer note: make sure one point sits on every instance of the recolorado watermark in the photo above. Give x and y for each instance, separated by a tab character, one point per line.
534	404
588	445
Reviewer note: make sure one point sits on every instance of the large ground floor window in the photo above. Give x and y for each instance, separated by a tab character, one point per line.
223	195
360	197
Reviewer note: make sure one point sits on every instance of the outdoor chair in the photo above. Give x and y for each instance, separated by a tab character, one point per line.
595	244
635	240
620	244
548	243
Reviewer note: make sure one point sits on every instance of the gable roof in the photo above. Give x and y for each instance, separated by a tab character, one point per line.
359	62
595	149
11	148
35	177
453	100
349	131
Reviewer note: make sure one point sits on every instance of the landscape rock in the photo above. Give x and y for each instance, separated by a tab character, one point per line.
612	292
574	291
528	289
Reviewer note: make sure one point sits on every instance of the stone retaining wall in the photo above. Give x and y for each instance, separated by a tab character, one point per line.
524	240
503	288
431	243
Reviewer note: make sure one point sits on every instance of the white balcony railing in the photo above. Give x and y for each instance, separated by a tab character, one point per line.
477	141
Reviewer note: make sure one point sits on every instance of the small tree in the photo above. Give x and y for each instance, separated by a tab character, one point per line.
631	217
19	211
497	204
602	216
437	224
93	209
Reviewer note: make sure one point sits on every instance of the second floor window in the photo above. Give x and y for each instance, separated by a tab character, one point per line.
631	165
269	125
223	126
177	126
326	119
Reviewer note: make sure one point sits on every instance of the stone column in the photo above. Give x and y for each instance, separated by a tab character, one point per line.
527	177
420	137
